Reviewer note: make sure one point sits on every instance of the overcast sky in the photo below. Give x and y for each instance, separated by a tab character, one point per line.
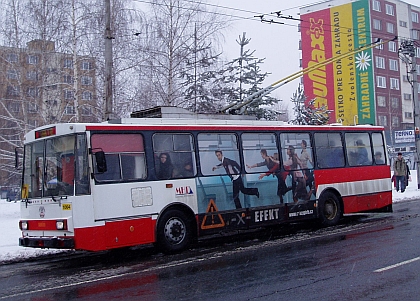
277	43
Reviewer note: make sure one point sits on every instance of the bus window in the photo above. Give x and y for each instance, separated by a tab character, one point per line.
358	149
209	143
378	148
82	166
174	156
302	145
59	166
260	151
33	167
124	154
329	150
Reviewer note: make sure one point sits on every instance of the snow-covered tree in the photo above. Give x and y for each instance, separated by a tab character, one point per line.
308	114
242	77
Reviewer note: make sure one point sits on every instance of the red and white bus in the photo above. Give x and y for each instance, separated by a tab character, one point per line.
170	181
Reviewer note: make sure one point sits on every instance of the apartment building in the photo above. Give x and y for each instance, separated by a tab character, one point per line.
369	86
40	86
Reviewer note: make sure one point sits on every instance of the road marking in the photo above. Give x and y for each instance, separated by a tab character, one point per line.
397	265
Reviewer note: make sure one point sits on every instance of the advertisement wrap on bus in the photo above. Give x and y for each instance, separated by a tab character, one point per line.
170	182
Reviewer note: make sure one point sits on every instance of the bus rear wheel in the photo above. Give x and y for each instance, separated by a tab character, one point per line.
174	232
329	209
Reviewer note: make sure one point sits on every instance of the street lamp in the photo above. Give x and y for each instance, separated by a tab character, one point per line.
407	53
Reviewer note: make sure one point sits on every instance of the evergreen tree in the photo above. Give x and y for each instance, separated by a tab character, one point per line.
308	114
241	78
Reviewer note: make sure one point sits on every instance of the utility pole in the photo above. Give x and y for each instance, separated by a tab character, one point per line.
407	53
108	62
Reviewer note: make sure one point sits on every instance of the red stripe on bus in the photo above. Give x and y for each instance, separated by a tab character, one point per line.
359	203
352	174
116	234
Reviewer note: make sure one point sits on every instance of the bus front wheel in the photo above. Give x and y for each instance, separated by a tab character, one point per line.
174	231
329	209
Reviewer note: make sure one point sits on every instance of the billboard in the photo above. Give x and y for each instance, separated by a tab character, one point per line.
346	87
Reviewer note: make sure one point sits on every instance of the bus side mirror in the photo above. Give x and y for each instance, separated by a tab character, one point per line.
17	155
100	161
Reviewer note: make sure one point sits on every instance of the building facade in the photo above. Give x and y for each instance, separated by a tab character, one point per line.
369	86
40	86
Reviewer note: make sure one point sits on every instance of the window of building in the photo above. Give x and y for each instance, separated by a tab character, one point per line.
13	106
12	57
86	80
394	83
377	24
86	65
415	17
69	110
382	121
32	92
393	65
392	46
408	115
32	107
389	9
68	79
417	51
31	75
32	59
395	121
12	91
380	81
86	111
33	123
407	96
381	101
87	95
380	62
68	63
415	34
12	74
403	23
395	102
376	5
68	94
390	27
380	46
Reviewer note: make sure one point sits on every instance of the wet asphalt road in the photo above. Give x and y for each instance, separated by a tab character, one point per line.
367	257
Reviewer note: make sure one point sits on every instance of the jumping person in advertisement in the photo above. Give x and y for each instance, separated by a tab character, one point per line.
400	172
273	166
233	170
298	181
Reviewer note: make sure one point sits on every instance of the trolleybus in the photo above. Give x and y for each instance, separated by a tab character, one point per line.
169	182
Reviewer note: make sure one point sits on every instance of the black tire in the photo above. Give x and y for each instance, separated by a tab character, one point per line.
329	209
174	232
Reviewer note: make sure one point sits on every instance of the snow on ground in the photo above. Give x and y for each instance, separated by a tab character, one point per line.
10	232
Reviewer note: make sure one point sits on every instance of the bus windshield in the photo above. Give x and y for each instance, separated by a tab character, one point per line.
55	166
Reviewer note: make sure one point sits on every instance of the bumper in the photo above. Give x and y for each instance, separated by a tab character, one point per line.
47	242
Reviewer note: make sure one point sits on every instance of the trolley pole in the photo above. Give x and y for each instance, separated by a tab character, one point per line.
407	53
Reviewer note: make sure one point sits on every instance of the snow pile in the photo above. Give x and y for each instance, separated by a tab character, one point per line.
9	223
10	233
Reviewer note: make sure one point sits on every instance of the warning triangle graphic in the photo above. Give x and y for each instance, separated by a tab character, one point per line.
212	218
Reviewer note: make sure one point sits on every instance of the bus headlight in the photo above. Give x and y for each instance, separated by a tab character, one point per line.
23	225
61	224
